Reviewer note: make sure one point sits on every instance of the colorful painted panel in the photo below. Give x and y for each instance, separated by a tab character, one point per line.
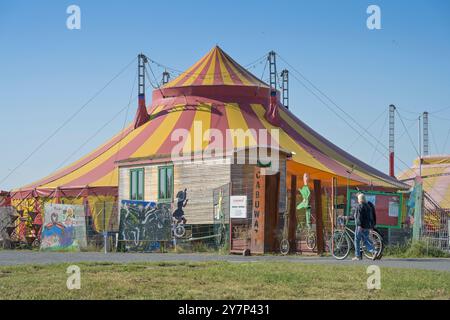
29	221
64	228
143	223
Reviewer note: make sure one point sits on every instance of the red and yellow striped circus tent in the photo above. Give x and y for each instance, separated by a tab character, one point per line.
435	176
219	94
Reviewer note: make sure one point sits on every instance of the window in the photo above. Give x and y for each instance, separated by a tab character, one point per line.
165	186
137	184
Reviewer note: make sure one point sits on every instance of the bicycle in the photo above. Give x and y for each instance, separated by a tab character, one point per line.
311	240
343	241
311	237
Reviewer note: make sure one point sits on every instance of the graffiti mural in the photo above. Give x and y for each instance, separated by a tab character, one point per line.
144	223
64	228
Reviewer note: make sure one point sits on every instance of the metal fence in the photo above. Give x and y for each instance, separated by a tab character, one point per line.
435	225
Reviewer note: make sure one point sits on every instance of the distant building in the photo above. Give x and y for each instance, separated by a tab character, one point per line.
435	173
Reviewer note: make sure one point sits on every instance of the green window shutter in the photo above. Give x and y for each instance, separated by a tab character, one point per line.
140	185
133	190
162	184
169	187
137	184
165	183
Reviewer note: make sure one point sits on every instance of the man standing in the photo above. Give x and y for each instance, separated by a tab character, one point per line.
363	224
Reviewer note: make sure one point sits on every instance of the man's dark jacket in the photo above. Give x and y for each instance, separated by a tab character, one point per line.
373	214
363	216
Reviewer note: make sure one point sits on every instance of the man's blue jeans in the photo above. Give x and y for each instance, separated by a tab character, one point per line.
362	234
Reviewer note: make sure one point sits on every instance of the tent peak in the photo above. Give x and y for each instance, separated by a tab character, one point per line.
214	69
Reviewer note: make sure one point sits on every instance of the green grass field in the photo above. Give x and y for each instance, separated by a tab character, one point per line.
219	280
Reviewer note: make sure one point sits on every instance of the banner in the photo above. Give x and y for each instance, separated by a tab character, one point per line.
64	228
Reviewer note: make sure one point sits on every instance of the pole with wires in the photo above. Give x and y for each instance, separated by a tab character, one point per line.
142	60
420	144
391	139
271	114
285	87
273	70
425	134
141	113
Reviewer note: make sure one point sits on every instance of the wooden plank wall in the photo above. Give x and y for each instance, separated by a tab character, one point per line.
200	179
242	183
124	184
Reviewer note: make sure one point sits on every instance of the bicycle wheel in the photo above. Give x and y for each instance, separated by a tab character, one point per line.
36	243
284	246
377	242
179	231
311	240
341	245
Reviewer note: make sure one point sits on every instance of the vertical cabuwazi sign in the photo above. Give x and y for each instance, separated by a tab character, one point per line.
258	212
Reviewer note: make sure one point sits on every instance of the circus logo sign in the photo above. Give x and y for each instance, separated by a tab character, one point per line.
258	214
64	228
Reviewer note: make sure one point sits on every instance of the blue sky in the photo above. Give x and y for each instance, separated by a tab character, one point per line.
47	71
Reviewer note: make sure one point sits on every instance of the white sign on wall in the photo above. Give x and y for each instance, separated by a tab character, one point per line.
393	209
238	207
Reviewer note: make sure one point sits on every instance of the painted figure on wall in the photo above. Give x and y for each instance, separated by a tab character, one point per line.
181	200
306	194
58	234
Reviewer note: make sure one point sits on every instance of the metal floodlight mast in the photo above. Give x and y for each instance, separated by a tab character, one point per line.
425	134
141	112
391	139
142	60
273	70
285	87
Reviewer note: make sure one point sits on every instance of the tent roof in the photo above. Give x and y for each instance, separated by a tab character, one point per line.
215	110
435	177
